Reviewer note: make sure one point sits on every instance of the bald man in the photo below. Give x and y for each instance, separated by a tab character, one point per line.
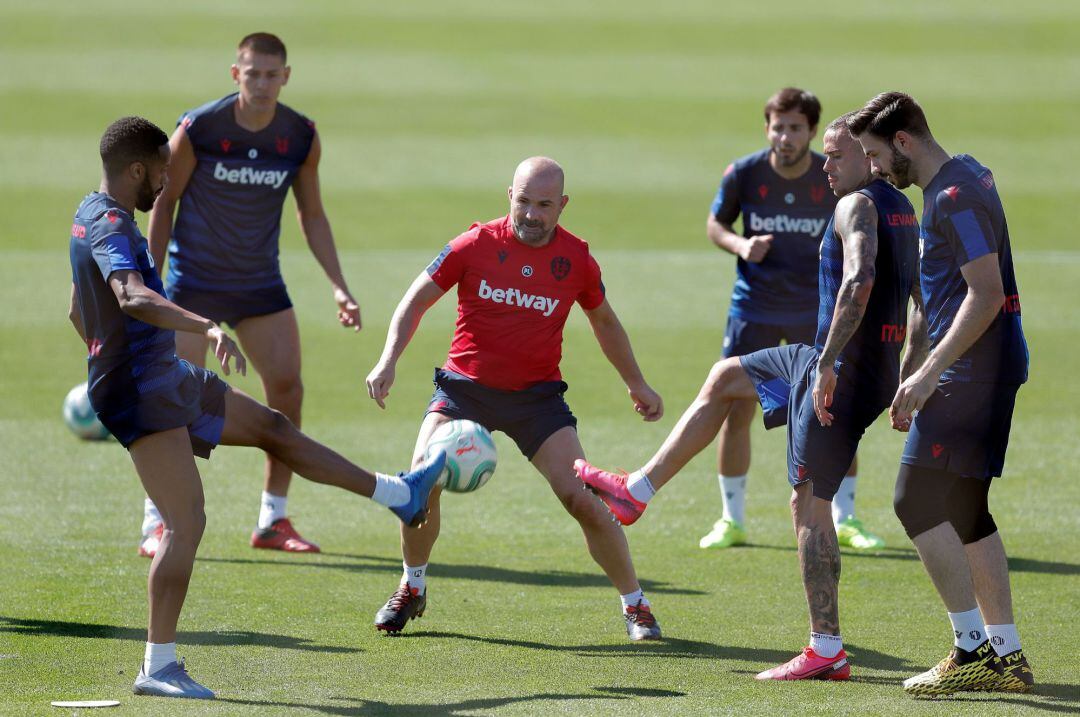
517	278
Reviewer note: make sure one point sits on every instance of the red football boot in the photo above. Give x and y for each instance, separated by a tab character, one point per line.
149	546
611	488
808	665
281	535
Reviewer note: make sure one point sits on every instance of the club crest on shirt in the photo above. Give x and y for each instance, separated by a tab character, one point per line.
282	144
817	193
225	144
560	267
502	255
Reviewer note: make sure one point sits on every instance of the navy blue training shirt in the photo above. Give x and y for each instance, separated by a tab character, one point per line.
782	289
963	220
226	233
874	349
127	357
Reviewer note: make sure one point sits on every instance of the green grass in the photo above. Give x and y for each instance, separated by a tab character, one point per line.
424	108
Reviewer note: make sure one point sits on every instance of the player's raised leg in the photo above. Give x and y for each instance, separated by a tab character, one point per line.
272	344
167	470
249	423
605	539
409	600
627	495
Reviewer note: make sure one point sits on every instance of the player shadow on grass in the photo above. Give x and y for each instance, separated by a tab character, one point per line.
1016	564
486	573
61	628
677	648
373	707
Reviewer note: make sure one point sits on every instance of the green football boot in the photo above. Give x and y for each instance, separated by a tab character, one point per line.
726	533
850	533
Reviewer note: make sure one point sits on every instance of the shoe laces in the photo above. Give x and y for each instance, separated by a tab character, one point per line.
640	615
401	597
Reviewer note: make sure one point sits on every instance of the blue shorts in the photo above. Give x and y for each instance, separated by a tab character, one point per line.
745	337
784	379
529	416
963	429
196	401
231	307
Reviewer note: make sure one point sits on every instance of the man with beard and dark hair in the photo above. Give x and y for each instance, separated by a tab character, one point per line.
517	278
957	403
827	393
165	411
781	193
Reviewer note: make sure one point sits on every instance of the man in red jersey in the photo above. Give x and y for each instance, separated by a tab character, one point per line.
517	278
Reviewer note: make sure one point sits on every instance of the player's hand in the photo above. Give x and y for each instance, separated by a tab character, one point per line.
348	312
824	388
910	398
379	382
647	402
755	248
226	349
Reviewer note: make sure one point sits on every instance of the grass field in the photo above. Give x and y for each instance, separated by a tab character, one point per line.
424	109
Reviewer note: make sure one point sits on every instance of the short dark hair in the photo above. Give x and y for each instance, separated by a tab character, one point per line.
889	113
130	139
792	98
263	43
841	121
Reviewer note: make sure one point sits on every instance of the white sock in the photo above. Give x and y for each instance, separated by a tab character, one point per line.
733	490
632	599
1004	638
640	487
826	645
158	655
272	509
416	577
967	629
390	491
843	503
151	517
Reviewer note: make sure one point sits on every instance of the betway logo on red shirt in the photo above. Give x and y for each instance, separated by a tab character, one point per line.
247	175
514	297
786	224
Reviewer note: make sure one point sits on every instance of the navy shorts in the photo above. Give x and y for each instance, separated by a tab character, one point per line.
745	337
231	307
529	416
784	379
963	429
196	401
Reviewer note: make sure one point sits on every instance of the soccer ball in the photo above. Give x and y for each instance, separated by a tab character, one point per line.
470	455
80	417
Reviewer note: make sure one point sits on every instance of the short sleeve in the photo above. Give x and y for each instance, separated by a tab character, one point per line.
111	245
448	267
592	293
965	224
725	206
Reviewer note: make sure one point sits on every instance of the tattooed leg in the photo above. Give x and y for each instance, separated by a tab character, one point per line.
819	558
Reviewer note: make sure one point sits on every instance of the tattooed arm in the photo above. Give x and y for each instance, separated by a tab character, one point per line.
855	223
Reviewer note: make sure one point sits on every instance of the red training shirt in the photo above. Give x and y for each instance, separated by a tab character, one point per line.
513	301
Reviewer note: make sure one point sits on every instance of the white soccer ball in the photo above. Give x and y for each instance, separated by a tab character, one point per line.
80	417
470	455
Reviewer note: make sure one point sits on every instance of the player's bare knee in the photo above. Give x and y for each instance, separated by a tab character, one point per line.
285	392
581	505
273	429
720	377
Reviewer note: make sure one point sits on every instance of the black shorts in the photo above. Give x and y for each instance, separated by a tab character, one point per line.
784	379
744	337
197	401
963	429
529	416
231	307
